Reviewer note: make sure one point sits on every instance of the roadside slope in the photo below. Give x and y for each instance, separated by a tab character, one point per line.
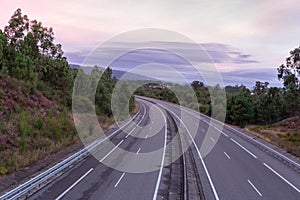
31	126
284	134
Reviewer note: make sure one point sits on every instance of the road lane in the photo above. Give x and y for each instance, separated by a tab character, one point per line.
234	168
231	177
106	183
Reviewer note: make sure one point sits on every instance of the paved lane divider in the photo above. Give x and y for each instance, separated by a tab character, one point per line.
244	136
74	184
254	156
198	151
227	155
253	186
275	172
120	179
138	151
162	160
45	177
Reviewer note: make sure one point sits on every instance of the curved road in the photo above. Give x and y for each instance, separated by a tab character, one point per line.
233	169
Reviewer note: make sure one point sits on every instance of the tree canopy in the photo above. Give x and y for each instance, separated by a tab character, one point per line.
290	71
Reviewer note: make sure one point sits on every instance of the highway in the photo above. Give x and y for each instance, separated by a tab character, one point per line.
238	169
234	168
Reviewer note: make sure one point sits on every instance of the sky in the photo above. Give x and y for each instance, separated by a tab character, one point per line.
247	40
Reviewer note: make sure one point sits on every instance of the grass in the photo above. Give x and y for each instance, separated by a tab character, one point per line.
31	126
285	134
37	137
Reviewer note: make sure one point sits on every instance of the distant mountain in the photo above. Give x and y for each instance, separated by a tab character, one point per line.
117	73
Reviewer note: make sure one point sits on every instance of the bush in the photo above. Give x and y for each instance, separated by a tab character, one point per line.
24	126
3	170
38	122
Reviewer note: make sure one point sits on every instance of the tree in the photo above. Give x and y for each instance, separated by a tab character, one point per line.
17	28
260	87
197	85
240	109
3	47
290	71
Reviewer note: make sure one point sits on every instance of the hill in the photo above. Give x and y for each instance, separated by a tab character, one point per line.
31	125
285	134
116	73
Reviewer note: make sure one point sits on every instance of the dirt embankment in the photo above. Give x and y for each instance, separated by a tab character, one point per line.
284	134
35	132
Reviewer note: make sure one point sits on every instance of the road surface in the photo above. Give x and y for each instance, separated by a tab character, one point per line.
233	169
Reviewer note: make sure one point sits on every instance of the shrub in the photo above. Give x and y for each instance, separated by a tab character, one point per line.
3	170
38	122
24	126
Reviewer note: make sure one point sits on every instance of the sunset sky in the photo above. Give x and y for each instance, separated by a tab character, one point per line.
261	33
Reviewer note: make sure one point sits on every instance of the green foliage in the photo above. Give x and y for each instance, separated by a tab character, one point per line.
38	122
260	88
28	52
2	127
23	146
290	71
32	67
3	47
104	91
3	170
24	126
240	108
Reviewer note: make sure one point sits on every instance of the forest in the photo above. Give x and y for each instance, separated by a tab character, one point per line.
259	105
36	85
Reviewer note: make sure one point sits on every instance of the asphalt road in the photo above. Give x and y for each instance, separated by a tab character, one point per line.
237	168
233	169
98	181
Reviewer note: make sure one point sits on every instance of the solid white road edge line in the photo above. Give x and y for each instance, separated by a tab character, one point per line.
243	148
130	132
73	185
125	137
163	158
120	179
253	186
270	168
258	142
199	154
224	134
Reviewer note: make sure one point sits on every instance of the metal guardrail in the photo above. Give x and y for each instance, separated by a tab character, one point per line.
184	168
250	139
44	177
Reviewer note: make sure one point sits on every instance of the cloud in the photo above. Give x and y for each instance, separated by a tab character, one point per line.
208	55
248	77
219	53
223	53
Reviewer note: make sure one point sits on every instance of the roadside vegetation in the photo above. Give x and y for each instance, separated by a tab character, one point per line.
260	108
36	84
285	134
